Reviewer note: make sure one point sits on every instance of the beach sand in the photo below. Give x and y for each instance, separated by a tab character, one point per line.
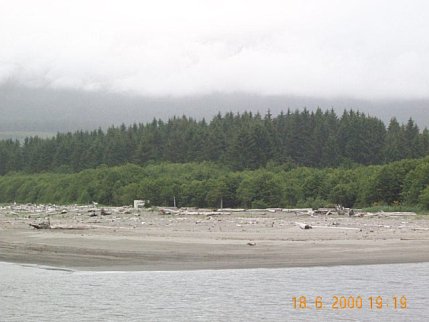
128	239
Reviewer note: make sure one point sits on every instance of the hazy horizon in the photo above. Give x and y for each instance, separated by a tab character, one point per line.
61	110
84	64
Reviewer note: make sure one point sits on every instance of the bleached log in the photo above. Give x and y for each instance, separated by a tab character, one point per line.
70	227
232	209
169	211
336	227
303	225
274	209
309	210
204	213
390	214
400	214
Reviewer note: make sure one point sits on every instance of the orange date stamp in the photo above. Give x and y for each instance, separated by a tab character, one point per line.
350	302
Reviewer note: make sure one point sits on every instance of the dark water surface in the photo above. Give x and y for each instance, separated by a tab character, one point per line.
32	293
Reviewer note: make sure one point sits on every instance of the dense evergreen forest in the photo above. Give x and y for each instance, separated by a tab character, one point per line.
296	159
205	184
237	141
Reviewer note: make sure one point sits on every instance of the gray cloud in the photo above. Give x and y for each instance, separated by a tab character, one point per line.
361	49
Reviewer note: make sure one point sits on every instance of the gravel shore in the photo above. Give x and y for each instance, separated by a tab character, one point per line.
122	238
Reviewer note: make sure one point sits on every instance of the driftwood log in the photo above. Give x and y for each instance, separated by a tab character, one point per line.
42	225
104	212
303	225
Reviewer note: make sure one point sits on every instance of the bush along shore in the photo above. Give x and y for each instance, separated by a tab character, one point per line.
400	185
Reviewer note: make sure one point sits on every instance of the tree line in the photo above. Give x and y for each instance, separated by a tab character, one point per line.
207	184
237	141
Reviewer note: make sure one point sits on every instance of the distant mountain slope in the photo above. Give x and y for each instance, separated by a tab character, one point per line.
50	110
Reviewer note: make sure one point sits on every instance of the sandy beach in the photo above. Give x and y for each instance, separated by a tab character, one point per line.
128	239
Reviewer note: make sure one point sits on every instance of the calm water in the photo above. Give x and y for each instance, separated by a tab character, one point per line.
31	293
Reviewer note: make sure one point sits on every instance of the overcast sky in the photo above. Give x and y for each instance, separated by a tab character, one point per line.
361	49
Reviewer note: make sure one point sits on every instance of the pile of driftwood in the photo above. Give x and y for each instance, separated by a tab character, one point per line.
338	210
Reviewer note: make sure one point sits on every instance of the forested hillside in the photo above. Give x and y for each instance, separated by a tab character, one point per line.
236	141
401	183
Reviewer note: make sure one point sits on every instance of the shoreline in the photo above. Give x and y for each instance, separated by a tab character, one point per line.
130	254
119	269
150	241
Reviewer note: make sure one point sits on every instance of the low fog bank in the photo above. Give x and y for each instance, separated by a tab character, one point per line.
50	110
